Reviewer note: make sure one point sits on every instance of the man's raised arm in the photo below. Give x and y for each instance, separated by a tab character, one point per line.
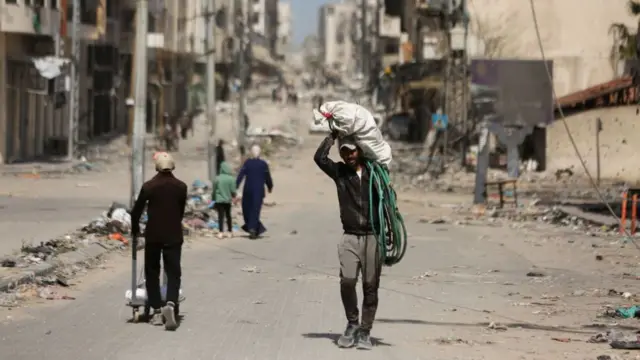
322	157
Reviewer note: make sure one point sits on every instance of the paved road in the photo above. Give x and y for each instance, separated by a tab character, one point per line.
436	304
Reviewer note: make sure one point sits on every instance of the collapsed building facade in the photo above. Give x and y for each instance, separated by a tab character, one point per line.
482	69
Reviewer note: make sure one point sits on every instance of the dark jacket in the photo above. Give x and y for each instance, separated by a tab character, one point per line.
165	197
353	192
220	158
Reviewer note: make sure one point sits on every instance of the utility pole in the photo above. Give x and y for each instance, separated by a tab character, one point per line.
210	50
379	45
449	59
363	38
74	109
140	99
62	30
243	73
465	86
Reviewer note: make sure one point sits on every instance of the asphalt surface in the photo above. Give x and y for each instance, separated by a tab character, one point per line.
278	298
275	298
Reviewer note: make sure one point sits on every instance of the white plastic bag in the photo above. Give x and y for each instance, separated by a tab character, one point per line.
141	294
353	119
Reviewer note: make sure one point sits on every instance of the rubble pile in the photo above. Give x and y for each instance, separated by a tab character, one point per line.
199	215
412	170
114	225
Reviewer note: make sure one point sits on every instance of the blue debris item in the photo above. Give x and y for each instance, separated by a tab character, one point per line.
628	312
440	121
213	225
211	204
199	184
236	228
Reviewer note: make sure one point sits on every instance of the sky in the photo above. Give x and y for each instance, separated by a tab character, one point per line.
305	18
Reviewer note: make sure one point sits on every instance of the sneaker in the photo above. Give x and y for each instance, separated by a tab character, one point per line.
229	235
253	235
348	339
220	235
156	318
169	314
364	341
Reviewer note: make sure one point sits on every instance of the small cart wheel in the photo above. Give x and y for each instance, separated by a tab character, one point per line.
136	316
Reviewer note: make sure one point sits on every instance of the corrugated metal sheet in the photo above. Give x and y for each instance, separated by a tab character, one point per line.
595	91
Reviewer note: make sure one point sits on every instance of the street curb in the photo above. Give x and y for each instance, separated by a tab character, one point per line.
28	275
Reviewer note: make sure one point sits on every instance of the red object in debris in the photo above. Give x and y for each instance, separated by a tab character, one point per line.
623	213
119	237
634	212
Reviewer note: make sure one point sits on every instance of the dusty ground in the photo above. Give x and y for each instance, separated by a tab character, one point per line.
462	280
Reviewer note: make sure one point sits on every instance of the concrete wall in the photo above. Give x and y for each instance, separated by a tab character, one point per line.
575	34
334	26
260	17
619	144
285	30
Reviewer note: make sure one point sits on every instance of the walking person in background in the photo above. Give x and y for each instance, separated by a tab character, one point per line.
257	174
165	198
219	155
224	194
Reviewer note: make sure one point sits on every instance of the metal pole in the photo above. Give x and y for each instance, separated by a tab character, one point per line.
598	130
446	109
211	88
74	109
140	100
378	46
465	87
242	98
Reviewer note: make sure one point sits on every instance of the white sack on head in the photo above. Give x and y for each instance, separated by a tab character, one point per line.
353	119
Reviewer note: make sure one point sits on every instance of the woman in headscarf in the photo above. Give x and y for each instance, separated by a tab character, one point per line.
257	174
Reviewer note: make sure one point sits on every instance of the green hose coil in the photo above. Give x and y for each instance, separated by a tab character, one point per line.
391	233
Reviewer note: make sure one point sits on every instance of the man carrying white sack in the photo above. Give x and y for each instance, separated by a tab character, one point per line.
358	249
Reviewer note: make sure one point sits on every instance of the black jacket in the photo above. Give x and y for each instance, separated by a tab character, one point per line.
353	192
165	197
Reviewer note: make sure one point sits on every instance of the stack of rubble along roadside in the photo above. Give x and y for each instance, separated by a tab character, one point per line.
112	230
409	170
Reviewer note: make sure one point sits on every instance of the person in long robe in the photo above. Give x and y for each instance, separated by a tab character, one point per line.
256	175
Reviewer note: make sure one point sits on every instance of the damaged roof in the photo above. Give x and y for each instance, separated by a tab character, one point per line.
616	92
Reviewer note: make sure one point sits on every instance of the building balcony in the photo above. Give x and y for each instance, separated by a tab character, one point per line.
19	18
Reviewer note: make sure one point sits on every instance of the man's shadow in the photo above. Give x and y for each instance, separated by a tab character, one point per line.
335	336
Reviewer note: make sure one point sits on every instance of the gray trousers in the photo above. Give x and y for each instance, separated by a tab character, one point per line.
359	254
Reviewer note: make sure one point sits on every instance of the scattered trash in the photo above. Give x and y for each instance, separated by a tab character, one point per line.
535	274
425	275
497	327
564	340
251	269
625	345
8	263
119	237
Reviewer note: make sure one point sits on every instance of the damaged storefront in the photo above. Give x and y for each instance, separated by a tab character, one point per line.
36	117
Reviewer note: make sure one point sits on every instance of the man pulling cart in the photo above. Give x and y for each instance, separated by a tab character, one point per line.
165	197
